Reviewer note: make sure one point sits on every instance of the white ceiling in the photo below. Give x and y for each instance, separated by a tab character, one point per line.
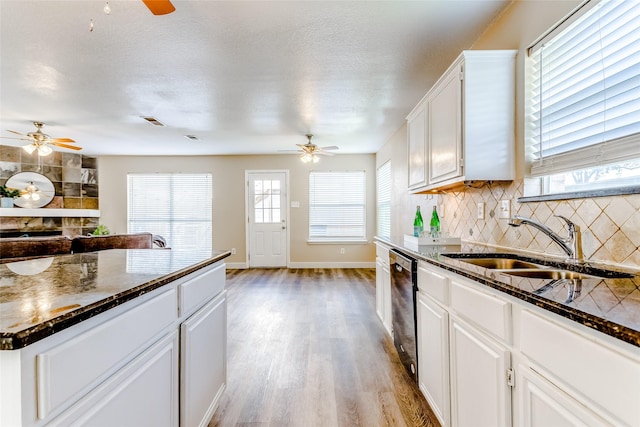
245	77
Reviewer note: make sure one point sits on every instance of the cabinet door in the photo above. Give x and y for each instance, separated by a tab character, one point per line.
379	290
143	393
445	128
386	299
417	139
203	367
480	395
542	404
433	356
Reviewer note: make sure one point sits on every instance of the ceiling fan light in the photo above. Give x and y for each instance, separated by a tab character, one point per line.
306	158
44	150
315	158
30	148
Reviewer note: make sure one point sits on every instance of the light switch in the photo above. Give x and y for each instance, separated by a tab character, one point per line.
295	204
505	209
480	210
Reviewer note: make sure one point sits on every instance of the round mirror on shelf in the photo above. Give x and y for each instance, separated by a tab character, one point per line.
36	190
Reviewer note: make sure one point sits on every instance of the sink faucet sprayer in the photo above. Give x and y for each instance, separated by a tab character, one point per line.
571	245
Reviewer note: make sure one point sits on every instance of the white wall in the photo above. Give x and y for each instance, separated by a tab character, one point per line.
229	200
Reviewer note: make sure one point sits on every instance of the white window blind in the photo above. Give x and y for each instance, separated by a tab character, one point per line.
584	90
383	200
337	206
175	206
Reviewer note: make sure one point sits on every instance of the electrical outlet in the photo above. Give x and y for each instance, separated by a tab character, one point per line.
480	210
505	209
341	251
233	251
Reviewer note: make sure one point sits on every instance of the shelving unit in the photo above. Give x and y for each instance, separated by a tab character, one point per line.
69	213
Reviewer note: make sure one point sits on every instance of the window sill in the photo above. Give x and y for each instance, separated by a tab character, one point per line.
581	194
337	242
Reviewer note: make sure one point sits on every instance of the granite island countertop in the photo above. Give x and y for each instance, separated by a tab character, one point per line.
609	305
42	296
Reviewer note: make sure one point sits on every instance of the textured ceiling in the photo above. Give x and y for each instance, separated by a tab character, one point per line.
244	77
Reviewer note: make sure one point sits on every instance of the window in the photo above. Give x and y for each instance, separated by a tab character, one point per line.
267	201
337	206
175	206
583	93
383	200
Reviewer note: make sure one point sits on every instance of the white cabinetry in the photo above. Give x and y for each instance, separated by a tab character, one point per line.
466	121
157	360
203	344
144	393
567	374
545	405
383	286
480	394
417	140
433	356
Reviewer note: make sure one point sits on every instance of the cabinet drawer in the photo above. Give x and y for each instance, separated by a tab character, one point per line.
197	291
487	311
70	370
587	367
433	283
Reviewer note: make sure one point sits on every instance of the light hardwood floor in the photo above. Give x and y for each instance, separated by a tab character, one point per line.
306	348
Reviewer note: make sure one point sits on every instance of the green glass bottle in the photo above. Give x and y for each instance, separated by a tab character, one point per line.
435	223
418	224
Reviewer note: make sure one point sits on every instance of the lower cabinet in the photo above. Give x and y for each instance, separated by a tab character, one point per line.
433	356
383	287
144	393
480	394
487	359
544	405
157	360
203	370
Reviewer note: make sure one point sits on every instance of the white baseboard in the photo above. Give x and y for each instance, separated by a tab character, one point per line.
236	265
243	265
332	264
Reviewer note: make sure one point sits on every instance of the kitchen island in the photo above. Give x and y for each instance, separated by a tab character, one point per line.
114	337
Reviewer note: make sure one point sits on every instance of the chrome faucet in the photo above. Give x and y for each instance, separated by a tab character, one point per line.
571	245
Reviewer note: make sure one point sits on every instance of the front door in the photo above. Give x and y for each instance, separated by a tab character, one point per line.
267	220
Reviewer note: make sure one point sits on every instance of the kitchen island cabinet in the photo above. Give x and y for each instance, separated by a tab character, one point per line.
115	337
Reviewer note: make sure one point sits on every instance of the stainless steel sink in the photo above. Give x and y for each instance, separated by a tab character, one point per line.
551	274
501	263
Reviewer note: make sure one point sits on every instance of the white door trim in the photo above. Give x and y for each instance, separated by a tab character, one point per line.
246	212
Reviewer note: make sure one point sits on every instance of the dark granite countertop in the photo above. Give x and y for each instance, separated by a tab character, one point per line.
42	296
609	305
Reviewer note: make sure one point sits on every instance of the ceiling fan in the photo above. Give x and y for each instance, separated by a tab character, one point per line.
310	151
159	7
41	142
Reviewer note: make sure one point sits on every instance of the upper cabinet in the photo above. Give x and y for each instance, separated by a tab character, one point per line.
463	128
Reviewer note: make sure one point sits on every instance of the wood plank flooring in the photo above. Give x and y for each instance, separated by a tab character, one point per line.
306	348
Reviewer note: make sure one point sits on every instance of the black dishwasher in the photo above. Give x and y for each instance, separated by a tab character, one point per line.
403	308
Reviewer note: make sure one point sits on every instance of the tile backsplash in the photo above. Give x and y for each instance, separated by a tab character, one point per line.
75	180
610	225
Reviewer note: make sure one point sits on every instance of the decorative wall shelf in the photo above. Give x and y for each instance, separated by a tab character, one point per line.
68	213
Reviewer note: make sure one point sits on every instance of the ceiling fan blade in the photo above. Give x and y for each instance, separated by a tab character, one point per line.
54	140
16	132
72	147
159	7
324	153
11	137
331	147
290	151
